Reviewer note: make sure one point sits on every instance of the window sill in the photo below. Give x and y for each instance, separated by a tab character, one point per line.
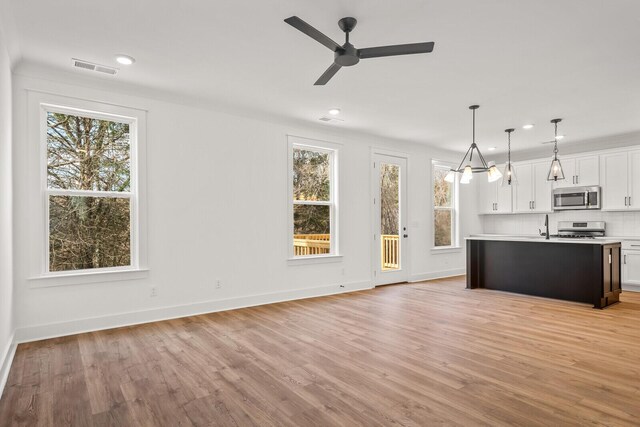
86	277
446	250
320	259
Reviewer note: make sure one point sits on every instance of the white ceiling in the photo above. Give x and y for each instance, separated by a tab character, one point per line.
522	61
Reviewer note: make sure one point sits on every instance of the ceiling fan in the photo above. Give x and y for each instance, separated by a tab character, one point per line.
347	55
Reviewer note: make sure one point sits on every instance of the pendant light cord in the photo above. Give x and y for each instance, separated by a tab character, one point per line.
555	146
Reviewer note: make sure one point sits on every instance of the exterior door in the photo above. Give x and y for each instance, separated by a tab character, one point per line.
390	219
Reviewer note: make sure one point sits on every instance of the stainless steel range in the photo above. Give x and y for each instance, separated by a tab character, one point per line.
581	230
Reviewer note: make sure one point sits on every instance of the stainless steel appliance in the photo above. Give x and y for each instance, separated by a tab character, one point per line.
581	229
576	198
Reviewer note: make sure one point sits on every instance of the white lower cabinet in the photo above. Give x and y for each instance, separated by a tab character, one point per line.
631	265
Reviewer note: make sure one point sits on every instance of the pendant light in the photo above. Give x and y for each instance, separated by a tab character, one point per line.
555	171
493	174
509	175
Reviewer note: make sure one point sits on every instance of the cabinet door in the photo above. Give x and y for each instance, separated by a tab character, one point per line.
541	187
630	268
613	178
569	169
523	192
486	194
634	180
504	196
587	170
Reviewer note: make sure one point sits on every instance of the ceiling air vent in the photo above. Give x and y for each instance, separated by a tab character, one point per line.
79	63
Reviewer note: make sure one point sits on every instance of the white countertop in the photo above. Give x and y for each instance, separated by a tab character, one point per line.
540	239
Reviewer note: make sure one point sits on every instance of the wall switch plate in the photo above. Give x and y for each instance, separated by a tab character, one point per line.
154	291
218	283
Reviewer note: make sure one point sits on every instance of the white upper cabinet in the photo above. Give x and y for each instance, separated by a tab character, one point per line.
617	174
580	171
533	192
492	197
634	180
523	193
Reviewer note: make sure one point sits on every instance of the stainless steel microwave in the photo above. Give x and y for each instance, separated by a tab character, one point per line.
576	198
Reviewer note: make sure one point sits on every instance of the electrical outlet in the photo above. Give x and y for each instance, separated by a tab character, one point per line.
154	291
218	283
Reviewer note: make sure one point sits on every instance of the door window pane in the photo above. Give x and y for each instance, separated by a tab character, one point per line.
389	216
88	232
311	229
311	170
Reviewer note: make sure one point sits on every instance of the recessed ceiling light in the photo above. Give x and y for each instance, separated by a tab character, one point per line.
125	59
491	148
559	136
334	111
527	126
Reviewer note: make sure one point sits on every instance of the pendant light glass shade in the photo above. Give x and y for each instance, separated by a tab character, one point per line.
467	175
451	176
555	171
509	175
493	174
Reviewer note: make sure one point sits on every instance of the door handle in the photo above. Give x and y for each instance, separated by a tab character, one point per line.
577	179
625	258
574	179
629	200
625	201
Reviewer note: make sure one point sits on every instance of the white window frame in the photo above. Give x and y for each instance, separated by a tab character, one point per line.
333	150
40	105
455	226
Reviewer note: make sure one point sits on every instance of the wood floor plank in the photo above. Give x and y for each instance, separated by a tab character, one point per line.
406	355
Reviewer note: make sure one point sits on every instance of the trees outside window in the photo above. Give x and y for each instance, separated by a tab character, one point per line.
89	191
444	208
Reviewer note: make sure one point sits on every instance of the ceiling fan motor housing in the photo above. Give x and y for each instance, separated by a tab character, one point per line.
347	56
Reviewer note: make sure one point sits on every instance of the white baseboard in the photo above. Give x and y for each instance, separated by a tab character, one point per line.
40	332
6	358
437	275
631	288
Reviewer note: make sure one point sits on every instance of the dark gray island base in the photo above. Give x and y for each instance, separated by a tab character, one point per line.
587	272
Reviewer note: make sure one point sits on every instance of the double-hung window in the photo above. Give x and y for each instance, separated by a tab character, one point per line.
313	184
90	188
444	208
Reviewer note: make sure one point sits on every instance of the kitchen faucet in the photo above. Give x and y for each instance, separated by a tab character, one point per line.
546	224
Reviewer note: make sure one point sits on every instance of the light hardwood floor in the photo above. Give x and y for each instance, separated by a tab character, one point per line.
414	354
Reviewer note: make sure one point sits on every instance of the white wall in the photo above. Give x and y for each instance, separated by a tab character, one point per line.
217	203
6	276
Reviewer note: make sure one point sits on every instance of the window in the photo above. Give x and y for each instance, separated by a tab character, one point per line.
444	208
91	191
313	196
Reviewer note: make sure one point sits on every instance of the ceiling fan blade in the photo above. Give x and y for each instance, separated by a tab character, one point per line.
299	24
398	49
326	76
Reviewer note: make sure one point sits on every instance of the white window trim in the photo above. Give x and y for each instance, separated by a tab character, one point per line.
334	150
455	238
39	104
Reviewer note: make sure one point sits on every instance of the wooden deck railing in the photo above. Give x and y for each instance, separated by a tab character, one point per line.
311	244
390	251
317	244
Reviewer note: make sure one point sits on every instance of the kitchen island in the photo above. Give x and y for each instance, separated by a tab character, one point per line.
582	270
